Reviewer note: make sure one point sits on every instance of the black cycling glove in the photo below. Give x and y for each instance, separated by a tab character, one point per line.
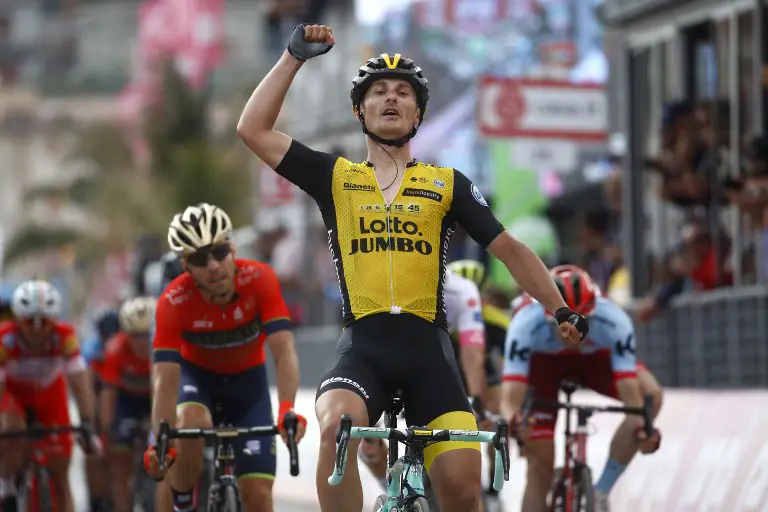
304	50
581	323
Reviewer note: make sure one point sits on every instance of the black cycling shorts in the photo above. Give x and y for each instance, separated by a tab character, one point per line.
381	354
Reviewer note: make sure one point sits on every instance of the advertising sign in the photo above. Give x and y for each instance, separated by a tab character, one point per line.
550	109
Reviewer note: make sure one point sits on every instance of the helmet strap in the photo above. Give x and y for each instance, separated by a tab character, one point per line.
398	143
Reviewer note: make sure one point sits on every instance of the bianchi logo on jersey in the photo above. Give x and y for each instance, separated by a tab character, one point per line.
478	196
359	186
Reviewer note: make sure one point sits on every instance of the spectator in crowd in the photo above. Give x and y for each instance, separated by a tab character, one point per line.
695	265
750	194
597	238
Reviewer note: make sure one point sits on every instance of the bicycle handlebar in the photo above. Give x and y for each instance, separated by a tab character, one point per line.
166	433
37	431
646	411
415	435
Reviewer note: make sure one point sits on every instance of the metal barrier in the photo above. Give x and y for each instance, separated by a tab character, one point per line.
710	340
717	339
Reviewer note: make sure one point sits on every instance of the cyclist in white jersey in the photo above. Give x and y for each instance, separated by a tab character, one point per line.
605	362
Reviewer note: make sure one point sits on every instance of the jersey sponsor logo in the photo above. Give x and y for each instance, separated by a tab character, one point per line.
478	316
420	192
418	180
359	187
472	303
392	226
478	195
224	339
439	183
515	353
627	346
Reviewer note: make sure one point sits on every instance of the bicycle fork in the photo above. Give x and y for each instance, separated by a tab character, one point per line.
577	457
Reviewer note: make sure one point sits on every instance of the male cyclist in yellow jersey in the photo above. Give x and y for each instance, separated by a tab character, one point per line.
389	222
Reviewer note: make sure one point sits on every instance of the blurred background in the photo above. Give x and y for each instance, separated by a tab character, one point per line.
627	136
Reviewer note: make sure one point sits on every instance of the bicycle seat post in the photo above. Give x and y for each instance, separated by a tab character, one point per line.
396	405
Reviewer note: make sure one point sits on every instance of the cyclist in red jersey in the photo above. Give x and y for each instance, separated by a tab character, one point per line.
211	325
125	401
39	356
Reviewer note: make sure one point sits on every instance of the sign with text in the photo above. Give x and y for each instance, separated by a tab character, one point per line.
549	109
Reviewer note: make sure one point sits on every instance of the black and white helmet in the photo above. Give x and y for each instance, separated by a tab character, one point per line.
36	298
198	226
136	315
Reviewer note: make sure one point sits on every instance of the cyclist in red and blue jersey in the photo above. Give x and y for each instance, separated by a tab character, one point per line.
211	326
125	402
605	362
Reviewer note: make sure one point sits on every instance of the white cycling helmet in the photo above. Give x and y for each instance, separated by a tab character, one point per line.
136	315
36	298
198	226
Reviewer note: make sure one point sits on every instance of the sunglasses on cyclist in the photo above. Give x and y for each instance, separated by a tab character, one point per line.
217	252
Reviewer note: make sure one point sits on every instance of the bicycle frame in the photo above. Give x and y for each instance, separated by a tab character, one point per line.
36	472
575	450
406	474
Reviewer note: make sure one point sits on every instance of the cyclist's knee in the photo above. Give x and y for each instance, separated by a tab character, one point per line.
256	494
540	455
331	405
456	478
192	416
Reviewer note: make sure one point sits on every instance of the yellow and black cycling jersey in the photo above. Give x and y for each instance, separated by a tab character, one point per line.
495	321
390	258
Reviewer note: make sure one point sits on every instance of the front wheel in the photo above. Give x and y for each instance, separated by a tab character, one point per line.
420	504
558	493
584	493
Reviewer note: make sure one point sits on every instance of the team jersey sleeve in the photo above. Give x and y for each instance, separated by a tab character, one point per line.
469	322
471	211
623	356
74	361
110	369
518	345
308	169
166	341
274	312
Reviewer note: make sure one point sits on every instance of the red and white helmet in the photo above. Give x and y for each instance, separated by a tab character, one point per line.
36	298
577	288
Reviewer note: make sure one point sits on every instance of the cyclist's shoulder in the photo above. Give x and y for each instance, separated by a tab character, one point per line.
461	286
7	327
529	318
178	292
64	329
495	316
115	344
610	318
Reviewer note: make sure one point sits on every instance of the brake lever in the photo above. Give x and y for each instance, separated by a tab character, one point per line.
162	444
290	422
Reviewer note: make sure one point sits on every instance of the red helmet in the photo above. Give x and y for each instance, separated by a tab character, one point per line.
577	288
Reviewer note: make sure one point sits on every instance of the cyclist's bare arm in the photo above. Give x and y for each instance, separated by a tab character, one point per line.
256	127
85	397
472	359
107	401
471	211
165	389
527	269
286	364
512	398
